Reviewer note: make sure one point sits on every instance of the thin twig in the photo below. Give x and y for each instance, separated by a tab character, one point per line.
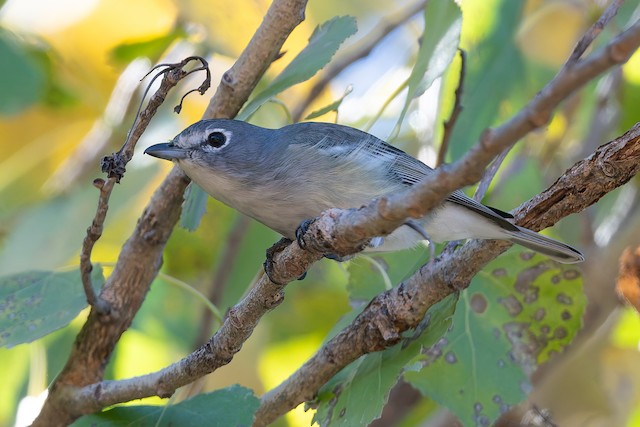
115	166
489	174
357	51
457	109
126	151
141	256
593	32
389	314
94	232
355	227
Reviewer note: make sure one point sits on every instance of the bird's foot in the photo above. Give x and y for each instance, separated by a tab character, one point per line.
300	232
279	246
338	258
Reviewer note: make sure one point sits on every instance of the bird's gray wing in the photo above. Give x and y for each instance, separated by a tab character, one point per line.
410	171
342	141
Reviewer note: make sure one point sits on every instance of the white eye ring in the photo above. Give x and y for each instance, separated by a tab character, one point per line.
215	139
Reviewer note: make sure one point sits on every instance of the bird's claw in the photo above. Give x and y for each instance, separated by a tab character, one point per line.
271	252
268	262
338	258
300	232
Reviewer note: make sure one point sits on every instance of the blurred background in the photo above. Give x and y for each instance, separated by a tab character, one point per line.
69	88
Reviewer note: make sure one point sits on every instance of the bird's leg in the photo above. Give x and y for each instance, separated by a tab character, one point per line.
415	226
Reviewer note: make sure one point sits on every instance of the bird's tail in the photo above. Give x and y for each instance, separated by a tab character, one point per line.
552	248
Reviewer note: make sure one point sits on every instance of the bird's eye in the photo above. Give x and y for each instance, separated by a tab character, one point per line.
216	139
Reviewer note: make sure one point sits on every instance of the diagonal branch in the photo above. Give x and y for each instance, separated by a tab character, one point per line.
403	307
343	231
387	213
597	27
141	256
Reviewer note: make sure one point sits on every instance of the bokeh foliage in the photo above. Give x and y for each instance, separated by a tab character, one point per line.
59	113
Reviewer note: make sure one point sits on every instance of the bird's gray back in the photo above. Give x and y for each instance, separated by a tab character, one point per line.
316	166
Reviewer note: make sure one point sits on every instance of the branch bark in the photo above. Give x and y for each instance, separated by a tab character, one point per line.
393	312
77	391
343	231
141	256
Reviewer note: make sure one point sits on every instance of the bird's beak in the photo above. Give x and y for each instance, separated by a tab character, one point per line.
166	151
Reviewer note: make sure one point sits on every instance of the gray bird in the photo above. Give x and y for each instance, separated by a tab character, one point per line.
282	177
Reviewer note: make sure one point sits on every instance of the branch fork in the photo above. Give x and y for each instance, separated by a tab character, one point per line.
80	389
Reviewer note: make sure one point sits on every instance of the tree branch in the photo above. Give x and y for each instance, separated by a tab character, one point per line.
352	228
141	256
594	30
343	231
403	307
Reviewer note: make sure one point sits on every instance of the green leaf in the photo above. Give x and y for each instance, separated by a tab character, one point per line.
439	42
232	406
151	48
368	276
356	396
520	309
22	82
371	274
494	69
195	205
323	44
331	107
36	303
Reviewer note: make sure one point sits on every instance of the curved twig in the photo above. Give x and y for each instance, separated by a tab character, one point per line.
381	324
141	256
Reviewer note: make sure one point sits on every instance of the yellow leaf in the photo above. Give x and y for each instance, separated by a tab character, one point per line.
549	34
